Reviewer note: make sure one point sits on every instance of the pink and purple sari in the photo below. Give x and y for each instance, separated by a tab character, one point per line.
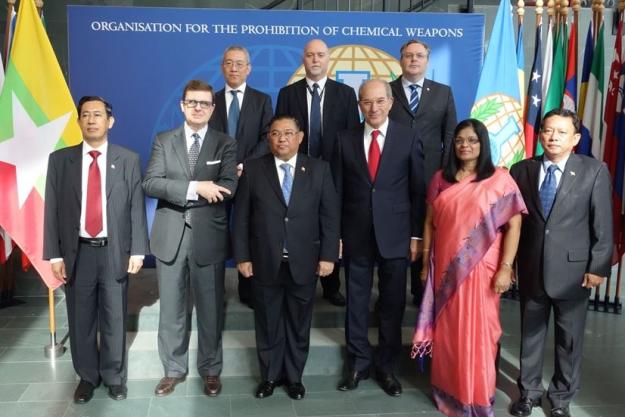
458	322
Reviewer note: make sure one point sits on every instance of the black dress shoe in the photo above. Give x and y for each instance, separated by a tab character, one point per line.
560	412
389	384
523	406
336	299
265	388
350	382
296	390
84	392
118	392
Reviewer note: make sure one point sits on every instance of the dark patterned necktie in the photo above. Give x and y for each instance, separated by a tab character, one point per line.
314	138
548	190
414	97
194	151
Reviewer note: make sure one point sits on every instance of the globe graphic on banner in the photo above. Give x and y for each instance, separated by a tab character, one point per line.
274	66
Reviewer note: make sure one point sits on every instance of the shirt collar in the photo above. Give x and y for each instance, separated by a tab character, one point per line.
291	162
86	148
321	83
383	128
561	165
407	84
240	89
188	131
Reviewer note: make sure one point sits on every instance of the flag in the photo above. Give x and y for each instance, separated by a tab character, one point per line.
520	63
619	171
534	97
584	144
37	116
569	99
592	122
498	102
548	62
553	100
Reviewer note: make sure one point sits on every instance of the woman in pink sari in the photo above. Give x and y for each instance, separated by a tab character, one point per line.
470	239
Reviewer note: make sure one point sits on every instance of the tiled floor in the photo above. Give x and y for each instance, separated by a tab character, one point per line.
32	386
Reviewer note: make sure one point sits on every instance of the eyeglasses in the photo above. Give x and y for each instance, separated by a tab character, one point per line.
191	104
236	64
413	56
471	141
287	134
378	102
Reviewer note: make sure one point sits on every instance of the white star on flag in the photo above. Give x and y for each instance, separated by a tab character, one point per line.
535	101
535	76
30	153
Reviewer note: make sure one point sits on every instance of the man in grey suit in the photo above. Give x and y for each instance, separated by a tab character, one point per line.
565	250
243	113
428	108
192	173
286	234
95	234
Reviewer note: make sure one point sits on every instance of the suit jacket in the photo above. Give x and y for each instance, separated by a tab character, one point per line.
555	252
256	113
125	208
435	120
392	207
167	179
263	221
340	111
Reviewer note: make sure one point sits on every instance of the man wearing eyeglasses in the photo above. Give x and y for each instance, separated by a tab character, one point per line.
378	171
192	172
428	108
286	222
322	107
243	113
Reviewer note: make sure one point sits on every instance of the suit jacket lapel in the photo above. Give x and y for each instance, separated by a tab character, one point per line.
533	175
246	107
221	101
567	181
300	92
423	98
207	152
328	101
272	176
180	148
113	169
386	151
75	171
301	177
358	150
400	95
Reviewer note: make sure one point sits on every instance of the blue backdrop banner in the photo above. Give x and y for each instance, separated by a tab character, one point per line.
140	58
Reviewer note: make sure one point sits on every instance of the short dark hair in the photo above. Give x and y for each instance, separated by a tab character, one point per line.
85	99
485	167
197	85
285	117
562	113
412	41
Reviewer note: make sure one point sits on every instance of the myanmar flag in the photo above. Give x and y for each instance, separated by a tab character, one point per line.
37	116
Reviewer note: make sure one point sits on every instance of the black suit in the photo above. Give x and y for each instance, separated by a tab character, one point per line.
378	220
340	112
554	254
308	227
97	278
251	136
434	121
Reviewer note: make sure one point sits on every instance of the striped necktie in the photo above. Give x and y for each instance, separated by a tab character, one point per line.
414	97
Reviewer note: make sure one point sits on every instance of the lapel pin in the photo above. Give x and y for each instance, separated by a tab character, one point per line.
303	169
573	173
112	166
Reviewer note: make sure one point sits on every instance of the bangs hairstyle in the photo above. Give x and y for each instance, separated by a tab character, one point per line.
485	167
84	99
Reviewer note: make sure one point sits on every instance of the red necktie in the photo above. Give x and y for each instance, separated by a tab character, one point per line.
93	217
374	154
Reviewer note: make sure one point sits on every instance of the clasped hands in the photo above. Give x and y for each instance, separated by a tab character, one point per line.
324	269
212	192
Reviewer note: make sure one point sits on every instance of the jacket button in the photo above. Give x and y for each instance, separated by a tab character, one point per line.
286	219
373	190
547	231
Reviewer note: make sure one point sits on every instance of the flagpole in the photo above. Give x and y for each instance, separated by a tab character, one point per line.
39	5
54	349
539	12
7	30
520	10
550	11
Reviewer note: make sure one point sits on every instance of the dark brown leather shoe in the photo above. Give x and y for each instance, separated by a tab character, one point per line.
167	385
212	385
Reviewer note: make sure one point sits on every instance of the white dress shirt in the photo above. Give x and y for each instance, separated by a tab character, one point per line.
292	162
188	132
408	91
322	89
545	166
240	94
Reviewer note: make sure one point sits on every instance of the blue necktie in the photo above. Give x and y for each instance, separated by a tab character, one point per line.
233	114
414	97
287	182
548	190
314	137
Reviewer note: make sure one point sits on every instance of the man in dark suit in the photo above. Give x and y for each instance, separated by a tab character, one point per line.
244	114
565	250
192	173
378	172
286	234
427	107
95	234
322	107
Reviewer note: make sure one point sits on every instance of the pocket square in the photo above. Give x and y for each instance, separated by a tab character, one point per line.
218	161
